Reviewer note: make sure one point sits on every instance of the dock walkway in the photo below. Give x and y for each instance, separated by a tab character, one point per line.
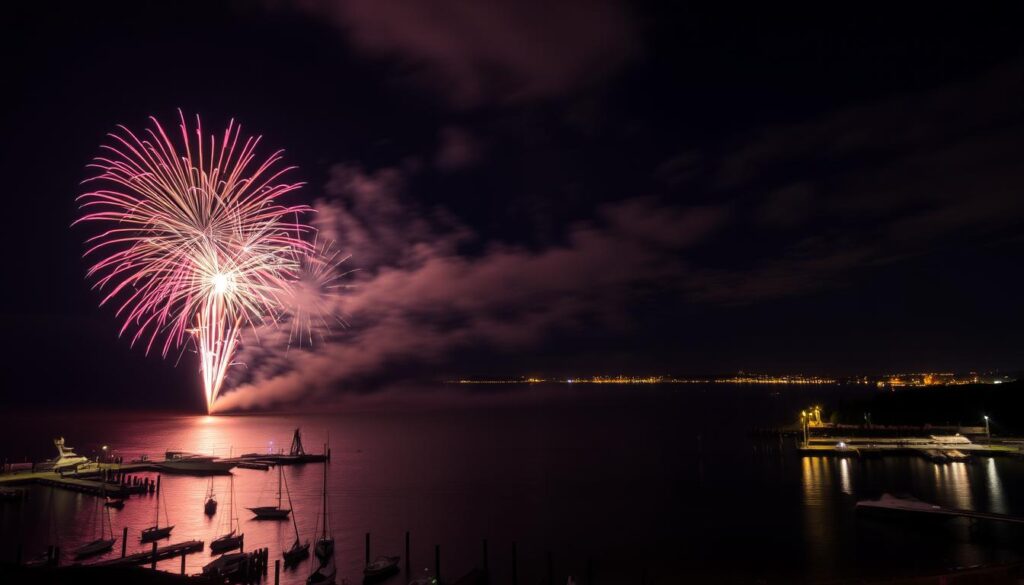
163	553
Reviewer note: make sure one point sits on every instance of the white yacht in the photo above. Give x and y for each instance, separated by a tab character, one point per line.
181	462
66	458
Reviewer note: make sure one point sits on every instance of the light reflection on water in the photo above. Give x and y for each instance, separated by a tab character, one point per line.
582	483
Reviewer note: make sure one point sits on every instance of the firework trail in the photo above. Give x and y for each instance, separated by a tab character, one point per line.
195	245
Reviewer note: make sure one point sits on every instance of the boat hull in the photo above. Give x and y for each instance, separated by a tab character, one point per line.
270	513
151	534
226	543
296	554
96	547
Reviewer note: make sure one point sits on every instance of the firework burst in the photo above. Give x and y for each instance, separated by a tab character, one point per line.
195	244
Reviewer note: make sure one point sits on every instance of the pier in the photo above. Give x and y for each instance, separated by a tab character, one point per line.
155	555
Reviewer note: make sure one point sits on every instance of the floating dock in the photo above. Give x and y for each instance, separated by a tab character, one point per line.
890	503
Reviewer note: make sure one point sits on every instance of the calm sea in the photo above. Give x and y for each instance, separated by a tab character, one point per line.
662	479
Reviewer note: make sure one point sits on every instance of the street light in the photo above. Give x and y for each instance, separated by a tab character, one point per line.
988	435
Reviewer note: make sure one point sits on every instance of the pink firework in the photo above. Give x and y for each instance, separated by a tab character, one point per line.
195	243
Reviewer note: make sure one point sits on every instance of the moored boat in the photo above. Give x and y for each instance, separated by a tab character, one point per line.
180	462
96	547
380	569
273	512
116	503
157	532
231	540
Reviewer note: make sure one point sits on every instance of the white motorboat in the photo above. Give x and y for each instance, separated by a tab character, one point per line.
66	458
180	462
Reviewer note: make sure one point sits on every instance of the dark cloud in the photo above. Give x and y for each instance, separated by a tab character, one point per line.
476	51
868	186
417	299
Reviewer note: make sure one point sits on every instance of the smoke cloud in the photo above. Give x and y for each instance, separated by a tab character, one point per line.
416	297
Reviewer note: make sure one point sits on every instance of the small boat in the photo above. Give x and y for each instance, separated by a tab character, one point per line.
104	540
117	503
226	565
140	459
296	553
231	540
324	548
210	508
274	512
298	550
380	569
324	575
157	532
96	547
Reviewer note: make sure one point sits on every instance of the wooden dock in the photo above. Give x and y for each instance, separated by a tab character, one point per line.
890	503
163	553
88	486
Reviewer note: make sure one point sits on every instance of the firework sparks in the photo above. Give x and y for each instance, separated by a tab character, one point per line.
195	244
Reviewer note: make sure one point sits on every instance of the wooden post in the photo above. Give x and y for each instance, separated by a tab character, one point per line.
407	554
437	562
182	562
241	543
515	569
367	548
154	556
124	541
158	484
277	571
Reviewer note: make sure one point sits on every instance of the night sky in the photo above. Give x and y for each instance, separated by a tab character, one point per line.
576	187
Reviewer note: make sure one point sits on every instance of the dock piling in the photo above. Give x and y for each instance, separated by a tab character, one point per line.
182	563
277	571
124	541
154	556
158	484
515	568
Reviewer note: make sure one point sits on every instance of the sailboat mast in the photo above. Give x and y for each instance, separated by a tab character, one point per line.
325	502
279	476
157	524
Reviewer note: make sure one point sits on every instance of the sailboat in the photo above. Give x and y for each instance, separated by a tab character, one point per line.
298	550
325	543
157	532
324	575
229	541
210	508
101	544
274	512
